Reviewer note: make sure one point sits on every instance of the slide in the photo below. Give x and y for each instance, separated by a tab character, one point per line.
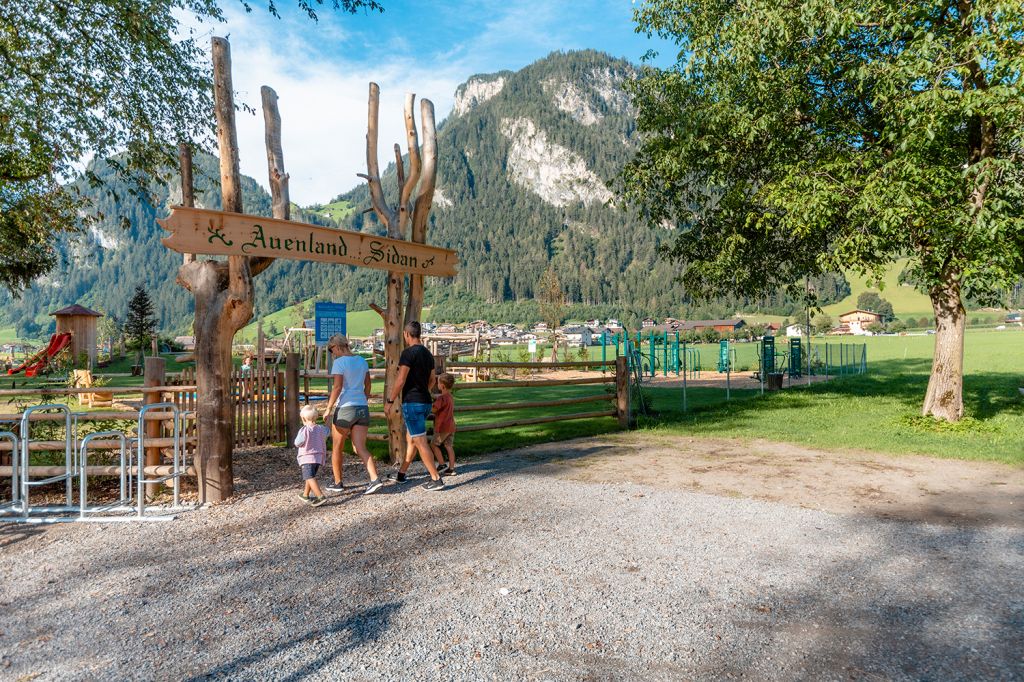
38	361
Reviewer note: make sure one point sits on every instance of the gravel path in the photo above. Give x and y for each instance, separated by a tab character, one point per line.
514	572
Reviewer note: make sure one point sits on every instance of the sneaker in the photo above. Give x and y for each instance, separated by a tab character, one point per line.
373	486
452	472
335	488
443	468
434	485
398	477
304	497
317	501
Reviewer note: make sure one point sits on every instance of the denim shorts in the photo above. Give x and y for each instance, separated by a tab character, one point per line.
352	415
309	471
415	415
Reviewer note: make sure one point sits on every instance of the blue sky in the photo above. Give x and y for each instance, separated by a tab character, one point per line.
321	70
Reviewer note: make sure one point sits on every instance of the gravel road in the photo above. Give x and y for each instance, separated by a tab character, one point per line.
513	572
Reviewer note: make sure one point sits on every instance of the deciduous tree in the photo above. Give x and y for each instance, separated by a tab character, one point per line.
797	138
105	78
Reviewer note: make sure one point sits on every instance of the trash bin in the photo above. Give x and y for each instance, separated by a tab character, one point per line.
774	382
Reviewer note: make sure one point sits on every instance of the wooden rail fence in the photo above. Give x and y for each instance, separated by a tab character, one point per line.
264	416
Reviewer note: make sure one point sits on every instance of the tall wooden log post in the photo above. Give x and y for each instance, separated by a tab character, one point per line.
421	179
155	374
224	294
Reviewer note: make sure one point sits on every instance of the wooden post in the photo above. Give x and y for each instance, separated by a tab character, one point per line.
291	392
622	392
224	294
155	375
281	430
187	190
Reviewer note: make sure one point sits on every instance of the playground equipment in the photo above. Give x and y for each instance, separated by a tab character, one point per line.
39	360
76	465
668	353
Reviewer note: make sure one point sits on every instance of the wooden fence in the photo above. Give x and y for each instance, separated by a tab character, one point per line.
264	416
259	404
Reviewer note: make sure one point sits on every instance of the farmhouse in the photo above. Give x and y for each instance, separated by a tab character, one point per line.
721	326
856	322
796	330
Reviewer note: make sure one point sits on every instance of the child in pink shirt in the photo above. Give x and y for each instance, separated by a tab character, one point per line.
312	444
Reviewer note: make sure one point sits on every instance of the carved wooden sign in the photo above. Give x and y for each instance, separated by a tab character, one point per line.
195	230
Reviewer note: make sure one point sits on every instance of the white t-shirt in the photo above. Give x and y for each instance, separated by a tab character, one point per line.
352	369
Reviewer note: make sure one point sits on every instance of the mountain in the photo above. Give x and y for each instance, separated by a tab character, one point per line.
527	161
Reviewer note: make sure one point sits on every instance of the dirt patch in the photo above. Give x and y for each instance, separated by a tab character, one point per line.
910	488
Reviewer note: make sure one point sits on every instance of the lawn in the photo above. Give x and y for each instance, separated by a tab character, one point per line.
878	411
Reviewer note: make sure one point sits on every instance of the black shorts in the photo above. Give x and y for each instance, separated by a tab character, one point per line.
309	471
352	415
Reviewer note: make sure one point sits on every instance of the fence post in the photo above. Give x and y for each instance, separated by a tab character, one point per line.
622	391
154	375
280	431
291	395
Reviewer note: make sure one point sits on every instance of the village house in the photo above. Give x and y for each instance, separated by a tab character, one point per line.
795	330
856	322
720	326
540	327
647	322
577	335
593	324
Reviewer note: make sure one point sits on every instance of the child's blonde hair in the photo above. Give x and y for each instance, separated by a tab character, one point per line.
308	413
447	380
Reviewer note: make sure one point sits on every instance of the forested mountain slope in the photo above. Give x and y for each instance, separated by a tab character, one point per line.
526	165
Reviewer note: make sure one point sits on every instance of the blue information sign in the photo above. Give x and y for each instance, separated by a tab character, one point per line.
330	320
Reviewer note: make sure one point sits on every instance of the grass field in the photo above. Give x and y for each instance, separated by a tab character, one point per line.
878	411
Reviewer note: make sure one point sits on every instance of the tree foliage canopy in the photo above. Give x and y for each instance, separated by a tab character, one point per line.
83	78
836	135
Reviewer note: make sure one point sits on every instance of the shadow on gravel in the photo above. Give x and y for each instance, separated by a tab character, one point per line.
927	602
344	634
12	533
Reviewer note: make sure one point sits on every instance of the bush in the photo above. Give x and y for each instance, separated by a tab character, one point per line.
875	328
898	326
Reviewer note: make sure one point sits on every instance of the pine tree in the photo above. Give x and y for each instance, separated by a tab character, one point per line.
139	325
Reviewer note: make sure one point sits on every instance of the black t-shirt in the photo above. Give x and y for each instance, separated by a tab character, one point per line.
420	363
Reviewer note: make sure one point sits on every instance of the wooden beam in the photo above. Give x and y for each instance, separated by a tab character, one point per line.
113	444
537	420
526	384
195	230
532	365
538	403
45	471
187	188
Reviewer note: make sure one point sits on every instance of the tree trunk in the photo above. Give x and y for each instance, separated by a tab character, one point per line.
945	396
224	295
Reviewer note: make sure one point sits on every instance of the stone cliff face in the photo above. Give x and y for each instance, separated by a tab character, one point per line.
475	92
549	170
536	110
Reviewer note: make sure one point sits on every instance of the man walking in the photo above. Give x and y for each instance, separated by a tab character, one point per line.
414	383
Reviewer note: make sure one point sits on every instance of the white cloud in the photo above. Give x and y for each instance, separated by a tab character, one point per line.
323	104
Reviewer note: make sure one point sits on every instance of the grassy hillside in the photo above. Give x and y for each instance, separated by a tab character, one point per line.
906	300
360	323
336	210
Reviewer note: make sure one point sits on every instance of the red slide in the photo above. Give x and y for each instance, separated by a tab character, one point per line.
38	361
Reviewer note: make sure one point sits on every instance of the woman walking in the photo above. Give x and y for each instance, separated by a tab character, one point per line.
348	411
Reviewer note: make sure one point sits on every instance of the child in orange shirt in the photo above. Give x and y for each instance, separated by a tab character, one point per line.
444	425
